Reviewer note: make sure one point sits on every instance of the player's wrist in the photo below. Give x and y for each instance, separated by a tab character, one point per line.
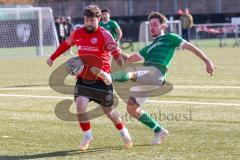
207	61
51	58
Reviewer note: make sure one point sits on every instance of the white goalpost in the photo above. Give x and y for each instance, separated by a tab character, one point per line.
27	31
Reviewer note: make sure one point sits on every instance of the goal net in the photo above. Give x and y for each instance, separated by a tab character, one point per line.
145	37
27	31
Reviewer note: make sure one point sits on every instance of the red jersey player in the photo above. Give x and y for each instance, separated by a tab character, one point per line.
95	46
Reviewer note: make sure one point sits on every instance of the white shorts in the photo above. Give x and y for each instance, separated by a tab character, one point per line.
149	79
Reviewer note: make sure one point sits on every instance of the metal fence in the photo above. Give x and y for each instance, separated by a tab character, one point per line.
213	35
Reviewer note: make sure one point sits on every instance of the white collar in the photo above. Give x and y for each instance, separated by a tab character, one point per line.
105	22
158	36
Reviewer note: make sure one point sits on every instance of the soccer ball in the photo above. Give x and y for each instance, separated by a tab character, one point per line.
74	66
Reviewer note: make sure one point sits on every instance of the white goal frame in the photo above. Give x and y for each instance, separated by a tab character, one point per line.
29	29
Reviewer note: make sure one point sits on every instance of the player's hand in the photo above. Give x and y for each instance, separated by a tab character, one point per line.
124	57
134	58
120	59
210	67
49	62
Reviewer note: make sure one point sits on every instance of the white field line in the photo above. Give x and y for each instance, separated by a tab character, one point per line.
25	88
148	101
36	96
196	103
177	86
208	87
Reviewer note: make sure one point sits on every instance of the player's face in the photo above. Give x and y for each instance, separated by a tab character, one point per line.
155	27
91	23
105	16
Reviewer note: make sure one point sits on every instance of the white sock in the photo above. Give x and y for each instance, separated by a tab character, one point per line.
123	132
142	73
88	133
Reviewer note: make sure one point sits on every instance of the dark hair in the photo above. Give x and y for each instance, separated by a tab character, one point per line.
162	19
92	11
106	10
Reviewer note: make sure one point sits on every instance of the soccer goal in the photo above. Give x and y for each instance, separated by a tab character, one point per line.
27	31
145	37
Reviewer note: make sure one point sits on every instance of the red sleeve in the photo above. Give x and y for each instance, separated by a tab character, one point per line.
64	46
110	45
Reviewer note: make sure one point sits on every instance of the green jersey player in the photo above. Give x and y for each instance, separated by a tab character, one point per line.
110	25
156	57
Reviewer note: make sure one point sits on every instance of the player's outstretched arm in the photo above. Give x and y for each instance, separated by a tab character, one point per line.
135	57
120	58
119	33
64	46
124	58
209	64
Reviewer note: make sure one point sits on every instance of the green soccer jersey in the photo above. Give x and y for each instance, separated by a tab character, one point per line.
160	52
111	26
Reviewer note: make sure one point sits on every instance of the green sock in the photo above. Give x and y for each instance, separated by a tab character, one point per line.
120	76
146	119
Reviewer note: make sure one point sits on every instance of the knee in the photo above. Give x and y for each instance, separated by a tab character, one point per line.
114	116
134	111
132	105
131	110
109	114
81	106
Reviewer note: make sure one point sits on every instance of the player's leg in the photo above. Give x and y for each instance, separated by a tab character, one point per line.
133	108
119	76
106	77
103	95
115	117
82	100
84	122
141	74
149	78
124	76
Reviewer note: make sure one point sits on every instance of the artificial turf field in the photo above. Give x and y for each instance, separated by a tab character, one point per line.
202	114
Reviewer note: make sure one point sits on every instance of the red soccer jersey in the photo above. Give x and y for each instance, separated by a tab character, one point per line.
94	49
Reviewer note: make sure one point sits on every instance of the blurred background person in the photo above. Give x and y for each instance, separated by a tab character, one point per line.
68	26
110	25
57	25
62	33
187	22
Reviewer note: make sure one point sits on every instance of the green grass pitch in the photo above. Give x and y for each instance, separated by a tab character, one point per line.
207	110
